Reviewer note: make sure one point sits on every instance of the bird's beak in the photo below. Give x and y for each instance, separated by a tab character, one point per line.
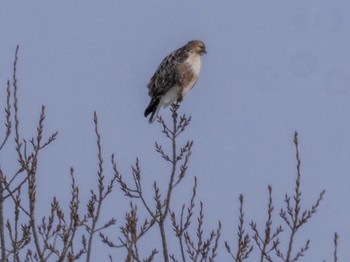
204	51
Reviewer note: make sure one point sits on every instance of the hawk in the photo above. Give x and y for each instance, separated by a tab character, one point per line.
174	77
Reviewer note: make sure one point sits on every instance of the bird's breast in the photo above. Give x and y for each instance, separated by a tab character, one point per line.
195	63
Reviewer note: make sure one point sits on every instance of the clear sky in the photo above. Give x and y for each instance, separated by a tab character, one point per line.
272	67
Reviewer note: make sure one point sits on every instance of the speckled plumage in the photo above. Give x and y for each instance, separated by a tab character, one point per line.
174	77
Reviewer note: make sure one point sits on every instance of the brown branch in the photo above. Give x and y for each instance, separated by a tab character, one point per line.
31	174
10	192
70	231
293	216
16	242
8	116
204	249
15	106
2	227
243	244
163	215
263	241
93	211
184	224
335	254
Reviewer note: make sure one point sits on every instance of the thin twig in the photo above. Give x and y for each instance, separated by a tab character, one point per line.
293	216
8	116
2	228
335	254
93	211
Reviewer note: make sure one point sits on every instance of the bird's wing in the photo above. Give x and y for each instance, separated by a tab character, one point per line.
165	76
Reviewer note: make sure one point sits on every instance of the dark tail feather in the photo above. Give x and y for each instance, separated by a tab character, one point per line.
152	108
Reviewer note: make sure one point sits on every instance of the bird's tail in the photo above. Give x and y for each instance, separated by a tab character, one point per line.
153	108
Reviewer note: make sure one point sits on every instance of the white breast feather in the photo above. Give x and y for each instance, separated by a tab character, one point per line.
195	62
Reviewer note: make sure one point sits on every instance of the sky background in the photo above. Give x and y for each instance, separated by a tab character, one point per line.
273	67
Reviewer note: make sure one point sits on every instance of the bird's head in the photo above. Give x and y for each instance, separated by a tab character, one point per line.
197	46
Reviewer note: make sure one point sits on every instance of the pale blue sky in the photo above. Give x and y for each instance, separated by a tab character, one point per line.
272	67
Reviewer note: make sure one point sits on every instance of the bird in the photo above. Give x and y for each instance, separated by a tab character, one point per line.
175	76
